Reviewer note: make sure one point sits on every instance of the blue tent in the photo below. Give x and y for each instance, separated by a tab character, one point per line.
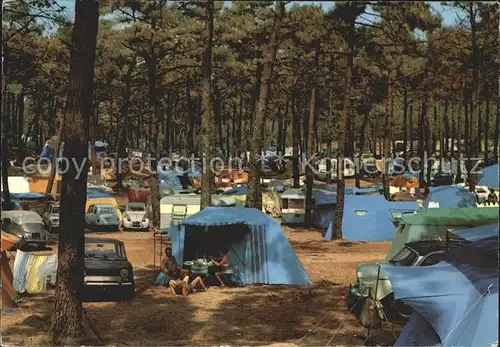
450	197
458	297
258	249
97	193
369	217
241	190
489	177
417	332
171	178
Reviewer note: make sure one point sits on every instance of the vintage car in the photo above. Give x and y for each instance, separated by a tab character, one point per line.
51	217
102	216
135	216
108	273
418	253
27	225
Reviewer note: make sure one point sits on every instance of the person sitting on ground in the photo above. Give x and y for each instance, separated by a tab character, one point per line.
169	268
223	262
184	288
492	197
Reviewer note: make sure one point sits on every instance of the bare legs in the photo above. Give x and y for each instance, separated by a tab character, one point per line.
198	283
218	275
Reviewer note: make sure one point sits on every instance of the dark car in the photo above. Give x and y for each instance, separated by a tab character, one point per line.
366	290
108	273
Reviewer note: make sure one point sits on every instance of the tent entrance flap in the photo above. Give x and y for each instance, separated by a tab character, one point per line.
209	241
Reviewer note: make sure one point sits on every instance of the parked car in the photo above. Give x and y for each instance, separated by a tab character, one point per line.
135	216
102	216
51	217
107	270
361	293
28	225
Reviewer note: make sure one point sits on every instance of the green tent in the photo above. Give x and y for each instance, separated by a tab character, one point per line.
433	224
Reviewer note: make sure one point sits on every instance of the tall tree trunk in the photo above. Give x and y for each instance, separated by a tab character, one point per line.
343	122
473	98
458	178
168	123
453	132
405	125
234	142
152	66
206	137
429	134
67	317
446	121
239	133
496	134
467	130
311	138
253	198
479	127
486	128
422	135
218	118
123	126
279	145
387	138
442	128
190	122
410	130
362	132
434	129
55	157
20	124
295	141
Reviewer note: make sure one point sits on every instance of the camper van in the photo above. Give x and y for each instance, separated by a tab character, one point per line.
293	206
177	207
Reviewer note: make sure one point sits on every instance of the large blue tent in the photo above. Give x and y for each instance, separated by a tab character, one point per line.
458	297
258	249
370	217
489	177
450	197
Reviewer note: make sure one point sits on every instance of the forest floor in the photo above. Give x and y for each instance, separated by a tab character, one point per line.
254	315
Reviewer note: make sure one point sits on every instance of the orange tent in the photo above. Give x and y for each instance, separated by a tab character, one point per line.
402	181
8	293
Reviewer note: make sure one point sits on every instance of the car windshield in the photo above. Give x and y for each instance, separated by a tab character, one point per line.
55	210
406	257
106	210
136	208
104	250
33	227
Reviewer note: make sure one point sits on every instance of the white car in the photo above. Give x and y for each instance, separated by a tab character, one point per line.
135	216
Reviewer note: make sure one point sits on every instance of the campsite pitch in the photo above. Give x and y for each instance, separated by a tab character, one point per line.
254	315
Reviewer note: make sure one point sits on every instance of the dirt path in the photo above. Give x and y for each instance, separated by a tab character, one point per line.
254	315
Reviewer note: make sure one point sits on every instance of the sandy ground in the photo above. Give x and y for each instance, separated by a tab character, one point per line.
254	315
